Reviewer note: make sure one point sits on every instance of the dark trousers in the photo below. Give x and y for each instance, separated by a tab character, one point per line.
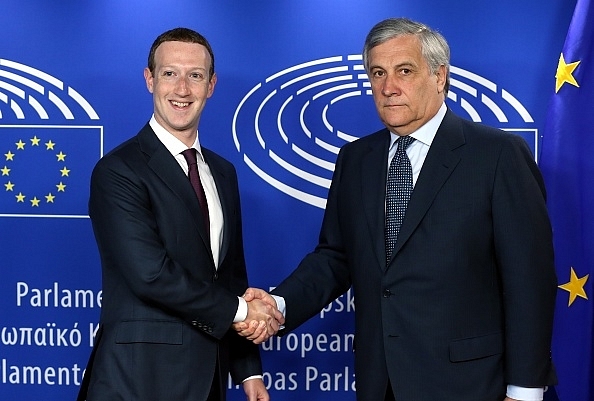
389	393
215	392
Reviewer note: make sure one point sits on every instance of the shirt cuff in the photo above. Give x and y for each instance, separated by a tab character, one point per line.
280	304
253	377
525	393
242	311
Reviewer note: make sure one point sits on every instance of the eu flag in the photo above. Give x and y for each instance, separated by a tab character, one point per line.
45	169
567	163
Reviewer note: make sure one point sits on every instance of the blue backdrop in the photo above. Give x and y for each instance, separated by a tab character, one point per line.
290	92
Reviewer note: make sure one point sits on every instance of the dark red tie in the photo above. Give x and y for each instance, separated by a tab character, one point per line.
190	156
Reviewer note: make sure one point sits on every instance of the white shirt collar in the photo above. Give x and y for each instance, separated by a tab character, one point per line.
426	133
173	145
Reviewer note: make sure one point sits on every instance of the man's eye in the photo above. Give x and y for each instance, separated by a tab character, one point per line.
168	73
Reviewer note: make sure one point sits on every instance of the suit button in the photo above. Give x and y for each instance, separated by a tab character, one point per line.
215	277
387	293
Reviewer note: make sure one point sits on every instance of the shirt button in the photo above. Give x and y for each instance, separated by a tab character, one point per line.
387	293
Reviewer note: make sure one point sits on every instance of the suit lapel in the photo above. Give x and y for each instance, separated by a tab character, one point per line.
374	192
438	166
166	167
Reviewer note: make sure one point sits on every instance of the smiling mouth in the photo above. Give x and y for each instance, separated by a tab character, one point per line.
180	104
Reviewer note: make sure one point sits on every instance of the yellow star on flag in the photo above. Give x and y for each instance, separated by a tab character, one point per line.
61	156
35	202
65	172
49	145
565	73
9	186
20	145
9	155
5	170
61	187
20	197
575	287
35	141
49	198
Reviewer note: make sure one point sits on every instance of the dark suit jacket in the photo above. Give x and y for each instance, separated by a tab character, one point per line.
466	303
167	311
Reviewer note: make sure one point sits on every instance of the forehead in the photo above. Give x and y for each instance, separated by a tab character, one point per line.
398	50
183	54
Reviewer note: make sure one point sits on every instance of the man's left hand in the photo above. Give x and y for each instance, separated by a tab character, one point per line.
255	390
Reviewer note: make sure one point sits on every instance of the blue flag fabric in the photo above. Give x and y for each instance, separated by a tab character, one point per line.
567	163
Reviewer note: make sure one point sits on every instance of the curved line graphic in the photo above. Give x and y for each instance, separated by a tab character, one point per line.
313	159
313	74
325	118
33	71
454	83
295	193
245	98
18	112
273	101
323	82
22	80
314	179
517	105
257	118
302	121
474	115
83	103
53	96
60	105
278	119
494	108
304	65
38	108
13	89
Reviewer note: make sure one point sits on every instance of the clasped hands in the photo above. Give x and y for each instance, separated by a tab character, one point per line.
263	319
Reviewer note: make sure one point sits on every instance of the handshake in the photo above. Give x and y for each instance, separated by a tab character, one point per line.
263	319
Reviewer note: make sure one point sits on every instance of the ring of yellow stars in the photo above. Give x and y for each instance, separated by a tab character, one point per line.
565	73
11	186
575	287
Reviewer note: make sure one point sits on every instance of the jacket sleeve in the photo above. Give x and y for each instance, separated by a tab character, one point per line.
524	249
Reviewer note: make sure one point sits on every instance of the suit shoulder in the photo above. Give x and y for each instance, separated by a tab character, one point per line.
475	131
126	150
213	158
368	140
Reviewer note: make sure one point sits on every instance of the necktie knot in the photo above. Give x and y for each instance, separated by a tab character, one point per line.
404	142
190	156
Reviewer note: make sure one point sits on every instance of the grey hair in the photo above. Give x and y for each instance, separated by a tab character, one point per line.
434	47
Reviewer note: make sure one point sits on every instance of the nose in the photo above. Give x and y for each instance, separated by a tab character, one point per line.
182	87
390	86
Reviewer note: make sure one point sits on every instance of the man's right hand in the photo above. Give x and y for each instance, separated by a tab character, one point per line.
263	318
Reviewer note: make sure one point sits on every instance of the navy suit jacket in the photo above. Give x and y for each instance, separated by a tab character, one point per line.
466	304
167	311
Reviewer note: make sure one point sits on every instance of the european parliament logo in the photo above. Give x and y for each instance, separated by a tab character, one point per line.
46	154
290	127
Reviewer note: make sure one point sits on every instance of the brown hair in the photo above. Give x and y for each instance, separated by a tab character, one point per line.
180	35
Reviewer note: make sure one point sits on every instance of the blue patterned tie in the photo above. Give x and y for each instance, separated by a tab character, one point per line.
398	190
